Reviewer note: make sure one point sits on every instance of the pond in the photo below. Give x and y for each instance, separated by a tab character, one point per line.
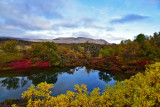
14	83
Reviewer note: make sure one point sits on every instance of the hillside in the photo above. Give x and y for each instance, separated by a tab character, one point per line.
61	40
64	40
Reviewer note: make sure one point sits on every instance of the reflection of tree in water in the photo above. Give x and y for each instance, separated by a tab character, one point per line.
38	78
49	75
88	71
23	82
13	83
119	77
71	71
104	76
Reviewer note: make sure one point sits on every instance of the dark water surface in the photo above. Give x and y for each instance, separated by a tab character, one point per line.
14	83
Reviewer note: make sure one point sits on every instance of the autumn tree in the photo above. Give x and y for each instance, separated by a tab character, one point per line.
45	52
66	55
50	45
10	46
106	51
155	39
150	50
87	42
130	50
88	54
140	38
80	52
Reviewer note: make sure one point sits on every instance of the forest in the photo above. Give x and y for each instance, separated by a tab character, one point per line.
138	58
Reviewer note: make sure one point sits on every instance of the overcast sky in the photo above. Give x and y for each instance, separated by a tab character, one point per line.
112	20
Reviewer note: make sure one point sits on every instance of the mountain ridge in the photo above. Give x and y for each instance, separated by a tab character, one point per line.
63	40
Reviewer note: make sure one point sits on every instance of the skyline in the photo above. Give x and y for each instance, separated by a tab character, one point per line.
112	20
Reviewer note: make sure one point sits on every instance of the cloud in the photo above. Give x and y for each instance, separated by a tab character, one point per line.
110	29
34	36
91	23
151	2
112	38
81	34
129	18
30	14
30	23
9	30
66	24
87	20
106	28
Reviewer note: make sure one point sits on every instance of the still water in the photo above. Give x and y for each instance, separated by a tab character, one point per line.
14	83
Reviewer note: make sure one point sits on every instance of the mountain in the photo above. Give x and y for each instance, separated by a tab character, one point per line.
60	40
79	40
3	39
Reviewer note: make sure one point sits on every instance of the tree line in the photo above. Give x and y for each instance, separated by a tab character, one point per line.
131	52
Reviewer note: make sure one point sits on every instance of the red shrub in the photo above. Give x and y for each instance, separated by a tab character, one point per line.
141	63
80	62
96	62
42	64
21	63
114	68
85	60
137	66
111	63
1	65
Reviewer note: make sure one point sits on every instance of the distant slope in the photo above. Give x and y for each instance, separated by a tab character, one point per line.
61	40
3	39
79	40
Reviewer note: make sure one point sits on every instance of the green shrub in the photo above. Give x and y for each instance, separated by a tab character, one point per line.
10	46
9	57
46	51
106	51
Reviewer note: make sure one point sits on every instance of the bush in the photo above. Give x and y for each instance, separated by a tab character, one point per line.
10	46
137	66
111	63
42	64
46	51
9	57
141	90
106	51
21	63
1	65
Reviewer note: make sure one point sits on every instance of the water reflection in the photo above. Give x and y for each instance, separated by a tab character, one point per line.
104	76
38	78
13	82
64	79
